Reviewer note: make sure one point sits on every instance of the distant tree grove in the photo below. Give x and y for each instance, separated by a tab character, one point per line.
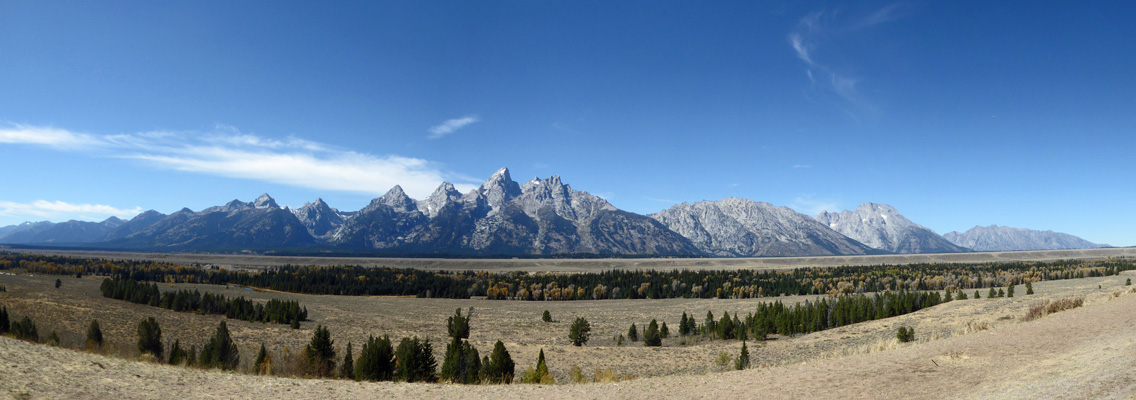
276	311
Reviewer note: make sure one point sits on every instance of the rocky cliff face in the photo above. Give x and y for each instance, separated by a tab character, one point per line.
319	218
740	227
882	227
1004	238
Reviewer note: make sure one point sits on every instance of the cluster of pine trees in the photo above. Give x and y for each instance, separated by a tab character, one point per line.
616	284
275	311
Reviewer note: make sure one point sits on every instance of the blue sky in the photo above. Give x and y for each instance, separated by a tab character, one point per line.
956	113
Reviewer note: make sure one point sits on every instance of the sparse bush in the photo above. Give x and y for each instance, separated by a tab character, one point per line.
722	359
651	336
500	367
905	334
376	361
546	317
606	376
742	362
150	337
619	341
53	339
220	351
94	335
1068	303
321	352
458	325
538	374
578	332
1127	282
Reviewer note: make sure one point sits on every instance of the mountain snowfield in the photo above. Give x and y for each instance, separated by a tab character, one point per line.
542	217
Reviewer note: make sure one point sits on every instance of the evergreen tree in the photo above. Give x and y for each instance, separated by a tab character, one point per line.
992	293
321	352
458	325
25	329
977	295
578	332
5	324
500	367
1127	282
376	361
663	331
263	364
191	356
743	358
347	370
539	374
710	324
58	283
546	317
683	329
414	361
53	339
651	336
1010	290
94	335
726	327
150	338
1029	286
947	298
220	351
633	333
462	363
962	295
1003	294
177	354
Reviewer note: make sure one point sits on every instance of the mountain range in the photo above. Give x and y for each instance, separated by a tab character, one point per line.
542	217
1004	238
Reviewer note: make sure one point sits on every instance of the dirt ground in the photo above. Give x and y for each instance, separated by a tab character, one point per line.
1083	353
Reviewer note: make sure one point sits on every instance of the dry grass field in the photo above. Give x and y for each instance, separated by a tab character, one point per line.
969	348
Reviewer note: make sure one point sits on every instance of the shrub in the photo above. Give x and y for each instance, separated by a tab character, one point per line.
546	317
321	352
1035	311
376	361
743	358
992	294
539	374
150	337
414	361
462	363
905	334
1029	287
722	359
25	329
58	283
962	295
52	339
94	335
576	374
263	365
651	336
220	351
1068	303
578	332
1127	282
500	366
458	325
977	295
619	341
633	333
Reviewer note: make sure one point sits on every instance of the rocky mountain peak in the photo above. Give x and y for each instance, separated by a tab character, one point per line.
398	200
500	188
444	194
881	226
265	201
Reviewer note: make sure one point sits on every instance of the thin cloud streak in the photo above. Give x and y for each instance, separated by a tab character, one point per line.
232	154
50	209
451	126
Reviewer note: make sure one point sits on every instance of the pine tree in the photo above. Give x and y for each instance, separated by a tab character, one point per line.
321	352
977	295
94	335
5	324
663	331
578	332
458	325
462	363
220	351
500	367
743	358
1127	282
177	353
262	365
150	338
992	294
1001	293
347	370
1010	290
414	361
651	336
25	329
633	333
1029	287
546	317
53	339
683	329
376	361
962	295
58	283
947	298
539	374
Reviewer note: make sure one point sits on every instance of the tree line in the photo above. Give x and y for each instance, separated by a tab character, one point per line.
184	300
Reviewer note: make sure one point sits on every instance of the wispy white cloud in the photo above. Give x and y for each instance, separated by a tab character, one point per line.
451	126
56	209
801	166
811	206
822	27
227	152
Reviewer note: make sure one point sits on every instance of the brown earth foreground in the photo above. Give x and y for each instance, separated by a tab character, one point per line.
1088	352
